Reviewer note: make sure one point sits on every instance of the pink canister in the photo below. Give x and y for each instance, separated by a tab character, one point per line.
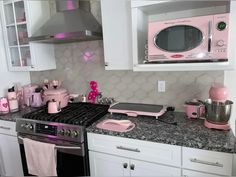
4	106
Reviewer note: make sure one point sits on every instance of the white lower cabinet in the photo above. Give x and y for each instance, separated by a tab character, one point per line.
10	159
107	165
110	165
129	157
139	168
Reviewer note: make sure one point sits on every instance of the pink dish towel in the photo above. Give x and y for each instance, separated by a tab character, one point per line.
40	157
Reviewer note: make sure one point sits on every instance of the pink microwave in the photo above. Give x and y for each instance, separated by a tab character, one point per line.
196	39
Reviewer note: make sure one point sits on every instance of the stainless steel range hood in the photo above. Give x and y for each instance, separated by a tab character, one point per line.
73	22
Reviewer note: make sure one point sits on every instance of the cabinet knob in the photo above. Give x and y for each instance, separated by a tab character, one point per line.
132	166
106	63
125	165
32	66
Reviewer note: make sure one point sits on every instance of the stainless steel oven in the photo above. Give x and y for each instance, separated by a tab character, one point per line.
72	158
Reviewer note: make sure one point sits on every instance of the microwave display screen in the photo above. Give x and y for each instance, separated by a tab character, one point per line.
179	38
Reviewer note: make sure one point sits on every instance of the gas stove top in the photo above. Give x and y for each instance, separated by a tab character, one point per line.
69	124
75	114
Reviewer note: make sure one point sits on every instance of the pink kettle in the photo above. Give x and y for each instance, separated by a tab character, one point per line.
4	106
54	107
194	109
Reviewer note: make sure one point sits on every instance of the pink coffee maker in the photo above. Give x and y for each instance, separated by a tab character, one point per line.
218	108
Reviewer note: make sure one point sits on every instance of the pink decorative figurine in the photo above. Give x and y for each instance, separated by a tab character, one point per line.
94	91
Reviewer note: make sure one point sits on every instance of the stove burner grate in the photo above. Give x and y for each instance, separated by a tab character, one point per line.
75	113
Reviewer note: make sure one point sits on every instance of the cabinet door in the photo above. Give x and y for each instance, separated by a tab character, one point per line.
116	23
10	156
190	173
108	165
139	168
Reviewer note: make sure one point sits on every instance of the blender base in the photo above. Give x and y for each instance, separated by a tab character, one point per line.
216	126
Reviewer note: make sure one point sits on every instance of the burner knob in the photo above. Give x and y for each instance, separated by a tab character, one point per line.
23	126
67	132
29	126
61	132
74	134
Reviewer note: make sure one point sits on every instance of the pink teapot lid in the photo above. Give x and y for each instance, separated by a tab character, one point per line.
55	91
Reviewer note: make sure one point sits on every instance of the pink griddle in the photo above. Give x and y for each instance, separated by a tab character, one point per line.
135	109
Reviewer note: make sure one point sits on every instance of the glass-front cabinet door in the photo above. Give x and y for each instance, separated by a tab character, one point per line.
17	44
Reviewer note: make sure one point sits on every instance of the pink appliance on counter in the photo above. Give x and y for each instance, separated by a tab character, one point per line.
135	109
202	38
28	90
194	109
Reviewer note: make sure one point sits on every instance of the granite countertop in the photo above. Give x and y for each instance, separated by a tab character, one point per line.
187	132
13	116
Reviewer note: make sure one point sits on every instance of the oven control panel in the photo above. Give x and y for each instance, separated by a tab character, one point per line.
54	130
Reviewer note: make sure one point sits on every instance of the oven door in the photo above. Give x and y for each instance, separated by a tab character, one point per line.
72	159
183	39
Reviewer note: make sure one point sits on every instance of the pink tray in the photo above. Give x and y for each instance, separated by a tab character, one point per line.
116	125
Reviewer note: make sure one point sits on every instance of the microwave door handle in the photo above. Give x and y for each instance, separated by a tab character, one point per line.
209	35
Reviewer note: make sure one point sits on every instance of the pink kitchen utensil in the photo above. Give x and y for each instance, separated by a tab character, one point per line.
116	125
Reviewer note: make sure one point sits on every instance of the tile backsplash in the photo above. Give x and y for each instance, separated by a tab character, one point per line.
79	63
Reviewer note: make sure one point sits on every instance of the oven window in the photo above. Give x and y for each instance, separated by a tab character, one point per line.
178	38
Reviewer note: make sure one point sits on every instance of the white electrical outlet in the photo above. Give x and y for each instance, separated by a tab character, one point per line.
161	85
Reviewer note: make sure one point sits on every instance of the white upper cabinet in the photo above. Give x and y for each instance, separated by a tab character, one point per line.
146	11
22	18
117	38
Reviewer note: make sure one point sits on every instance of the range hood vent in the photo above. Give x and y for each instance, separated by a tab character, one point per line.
73	22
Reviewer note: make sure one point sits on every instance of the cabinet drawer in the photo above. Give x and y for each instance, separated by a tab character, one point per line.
190	173
8	127
207	161
136	149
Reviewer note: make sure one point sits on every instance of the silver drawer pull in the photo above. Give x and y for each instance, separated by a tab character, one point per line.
5	128
128	149
216	164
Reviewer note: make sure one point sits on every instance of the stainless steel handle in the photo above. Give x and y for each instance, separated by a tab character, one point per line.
128	149
132	167
209	35
58	147
216	164
5	128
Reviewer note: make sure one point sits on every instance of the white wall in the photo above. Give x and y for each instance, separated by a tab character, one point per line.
7	78
230	76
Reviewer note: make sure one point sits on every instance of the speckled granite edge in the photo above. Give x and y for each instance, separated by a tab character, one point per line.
187	133
14	116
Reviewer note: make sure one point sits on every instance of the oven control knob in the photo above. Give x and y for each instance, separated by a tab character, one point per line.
29	126
220	43
23	126
61	132
74	134
67	132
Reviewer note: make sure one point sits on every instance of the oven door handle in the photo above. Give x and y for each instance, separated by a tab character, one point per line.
59	147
